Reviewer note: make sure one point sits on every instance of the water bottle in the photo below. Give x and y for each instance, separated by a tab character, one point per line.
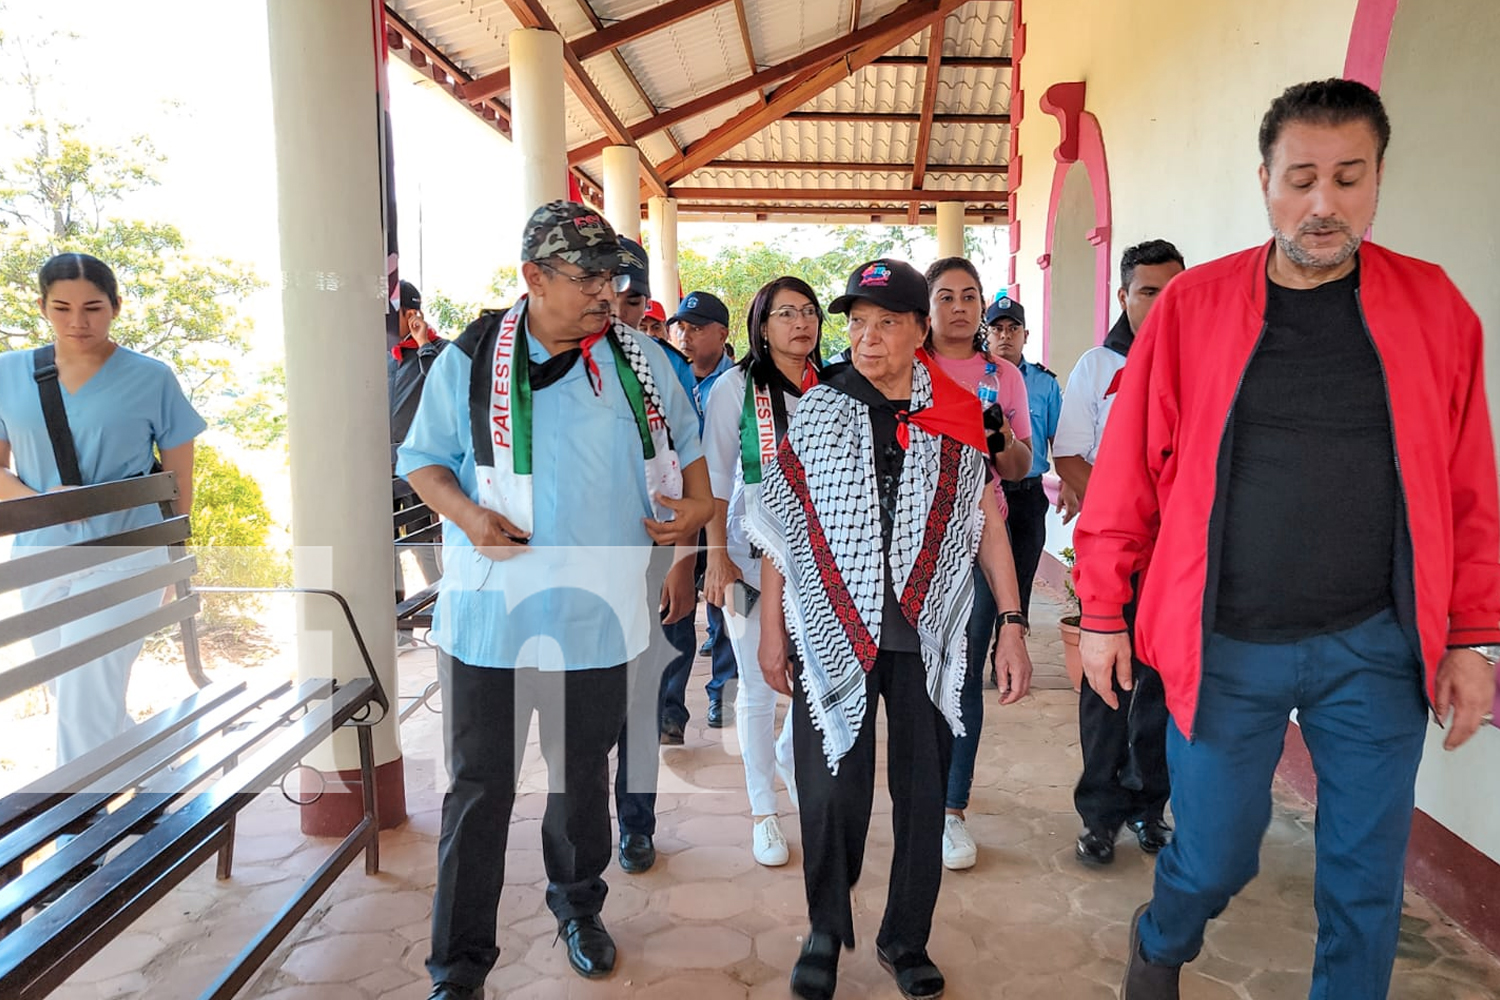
988	389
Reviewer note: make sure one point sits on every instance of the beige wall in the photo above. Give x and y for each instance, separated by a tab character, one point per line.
1437	202
1179	87
1073	262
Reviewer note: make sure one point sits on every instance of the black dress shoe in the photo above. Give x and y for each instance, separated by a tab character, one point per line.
637	853
1145	980
1095	847
816	974
591	951
672	734
453	991
916	977
707	648
716	714
1153	834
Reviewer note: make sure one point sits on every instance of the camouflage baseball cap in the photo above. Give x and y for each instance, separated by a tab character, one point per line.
574	233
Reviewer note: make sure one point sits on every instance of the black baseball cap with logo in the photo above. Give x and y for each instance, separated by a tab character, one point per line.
634	266
890	284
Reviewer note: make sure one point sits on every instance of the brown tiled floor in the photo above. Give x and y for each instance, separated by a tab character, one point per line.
707	923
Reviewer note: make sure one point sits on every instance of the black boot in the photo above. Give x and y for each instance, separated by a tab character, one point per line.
816	974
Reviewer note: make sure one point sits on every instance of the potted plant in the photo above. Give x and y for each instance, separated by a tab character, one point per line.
1068	625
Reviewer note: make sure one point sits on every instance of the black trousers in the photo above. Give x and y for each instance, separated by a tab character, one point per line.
1124	751
486	714
1027	520
835	809
639	763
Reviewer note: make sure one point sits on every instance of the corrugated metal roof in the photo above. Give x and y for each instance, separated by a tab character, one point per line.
706	52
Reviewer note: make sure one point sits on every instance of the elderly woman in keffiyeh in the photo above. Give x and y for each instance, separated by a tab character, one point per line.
871	521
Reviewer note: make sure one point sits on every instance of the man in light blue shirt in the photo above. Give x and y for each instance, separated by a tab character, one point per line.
552	442
1026	500
702	321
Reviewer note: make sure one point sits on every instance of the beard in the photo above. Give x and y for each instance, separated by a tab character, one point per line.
1319	260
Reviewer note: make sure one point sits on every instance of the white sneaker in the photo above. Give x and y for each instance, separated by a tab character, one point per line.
959	850
769	845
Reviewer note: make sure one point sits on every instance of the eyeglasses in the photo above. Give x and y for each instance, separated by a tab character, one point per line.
790	313
591	282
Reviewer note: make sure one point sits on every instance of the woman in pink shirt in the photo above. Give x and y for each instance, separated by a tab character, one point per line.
956	344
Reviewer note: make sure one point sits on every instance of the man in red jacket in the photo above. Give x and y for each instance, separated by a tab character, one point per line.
1313	506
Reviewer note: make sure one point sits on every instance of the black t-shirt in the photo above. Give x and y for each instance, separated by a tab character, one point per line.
896	633
1311	501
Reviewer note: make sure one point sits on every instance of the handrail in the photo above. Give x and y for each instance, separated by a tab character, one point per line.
359	639
46	509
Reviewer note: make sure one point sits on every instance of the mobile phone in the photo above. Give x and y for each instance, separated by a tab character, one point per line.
742	598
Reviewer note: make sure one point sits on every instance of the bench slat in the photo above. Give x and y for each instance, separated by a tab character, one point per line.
132	772
155	797
45	668
46	509
63	926
79	606
52	563
77	774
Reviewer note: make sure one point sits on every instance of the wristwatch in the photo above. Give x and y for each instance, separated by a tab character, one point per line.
1015	618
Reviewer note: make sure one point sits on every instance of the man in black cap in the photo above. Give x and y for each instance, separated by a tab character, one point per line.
406	370
546	438
879	621
702	322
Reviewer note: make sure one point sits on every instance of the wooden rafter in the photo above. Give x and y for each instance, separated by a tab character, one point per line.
739	13
959	118
930	79
682	193
868	168
966	62
817	59
630	77
532	15
602	40
415	47
900	24
874	213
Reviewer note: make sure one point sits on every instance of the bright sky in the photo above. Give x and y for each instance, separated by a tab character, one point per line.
194	76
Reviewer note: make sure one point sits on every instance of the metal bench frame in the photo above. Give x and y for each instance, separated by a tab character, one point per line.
150	806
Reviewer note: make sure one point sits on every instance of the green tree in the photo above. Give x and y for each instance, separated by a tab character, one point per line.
58	196
231	529
450	315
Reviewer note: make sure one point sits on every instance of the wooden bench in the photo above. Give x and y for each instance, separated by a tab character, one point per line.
147	808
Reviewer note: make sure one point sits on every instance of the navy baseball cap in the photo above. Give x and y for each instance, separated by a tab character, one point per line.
700	309
1004	307
634	266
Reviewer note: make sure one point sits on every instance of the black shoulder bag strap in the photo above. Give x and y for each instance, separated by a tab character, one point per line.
44	370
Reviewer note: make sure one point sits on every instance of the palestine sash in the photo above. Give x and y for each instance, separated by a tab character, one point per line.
763	423
501	385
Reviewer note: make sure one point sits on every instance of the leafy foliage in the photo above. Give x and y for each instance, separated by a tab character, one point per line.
57	196
231	527
449	316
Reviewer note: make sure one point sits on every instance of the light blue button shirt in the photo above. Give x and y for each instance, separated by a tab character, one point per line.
130	404
556	604
1044	400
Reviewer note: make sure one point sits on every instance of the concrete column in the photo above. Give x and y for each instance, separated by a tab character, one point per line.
622	190
950	228
323	73
537	116
662	219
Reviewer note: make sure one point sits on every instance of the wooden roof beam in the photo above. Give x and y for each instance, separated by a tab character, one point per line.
996	214
834	166
975	62
929	104
896	117
422	54
601	41
687	194
903	22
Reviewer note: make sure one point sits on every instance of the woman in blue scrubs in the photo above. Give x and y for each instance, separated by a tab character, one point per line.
123	409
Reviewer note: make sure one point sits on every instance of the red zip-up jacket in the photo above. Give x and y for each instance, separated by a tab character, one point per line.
1152	491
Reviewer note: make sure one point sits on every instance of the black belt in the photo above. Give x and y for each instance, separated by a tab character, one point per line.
1029	483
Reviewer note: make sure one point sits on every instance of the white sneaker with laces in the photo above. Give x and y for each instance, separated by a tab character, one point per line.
959	849
769	845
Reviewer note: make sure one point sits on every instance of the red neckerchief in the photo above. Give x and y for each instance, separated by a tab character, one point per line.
954	411
409	344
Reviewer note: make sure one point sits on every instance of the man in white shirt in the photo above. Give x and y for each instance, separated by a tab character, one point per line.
1124	776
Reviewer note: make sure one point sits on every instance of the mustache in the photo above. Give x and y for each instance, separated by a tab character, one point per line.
1324	225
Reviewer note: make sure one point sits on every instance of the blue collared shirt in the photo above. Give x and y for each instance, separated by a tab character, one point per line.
1044	400
700	395
574	598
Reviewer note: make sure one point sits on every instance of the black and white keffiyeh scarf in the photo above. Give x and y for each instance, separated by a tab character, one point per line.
819	522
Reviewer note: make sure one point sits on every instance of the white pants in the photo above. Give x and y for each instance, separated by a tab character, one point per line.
764	752
91	698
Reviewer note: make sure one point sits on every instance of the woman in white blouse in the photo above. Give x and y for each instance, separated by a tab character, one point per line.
744	420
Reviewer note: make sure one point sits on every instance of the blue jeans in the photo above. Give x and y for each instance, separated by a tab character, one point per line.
1359	700
725	667
971	700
